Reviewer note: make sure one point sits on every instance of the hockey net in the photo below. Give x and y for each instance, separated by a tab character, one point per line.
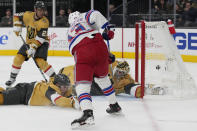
158	61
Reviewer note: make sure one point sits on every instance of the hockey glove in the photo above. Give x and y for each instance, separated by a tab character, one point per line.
32	50
108	35
17	28
112	58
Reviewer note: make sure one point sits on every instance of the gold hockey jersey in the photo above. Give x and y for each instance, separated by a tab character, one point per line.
37	30
49	94
118	83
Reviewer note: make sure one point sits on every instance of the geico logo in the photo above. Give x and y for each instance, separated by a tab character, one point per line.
186	40
3	39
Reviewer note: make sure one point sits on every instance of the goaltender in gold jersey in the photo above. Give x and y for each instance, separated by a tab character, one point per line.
36	40
56	92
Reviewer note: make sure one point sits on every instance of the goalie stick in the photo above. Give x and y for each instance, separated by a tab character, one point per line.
34	60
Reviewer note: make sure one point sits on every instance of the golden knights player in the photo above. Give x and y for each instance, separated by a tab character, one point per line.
124	83
36	40
56	92
121	79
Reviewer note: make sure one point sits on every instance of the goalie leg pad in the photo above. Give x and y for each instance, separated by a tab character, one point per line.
133	89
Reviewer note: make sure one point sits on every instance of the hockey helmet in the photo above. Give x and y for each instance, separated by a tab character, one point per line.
73	17
122	68
40	4
61	80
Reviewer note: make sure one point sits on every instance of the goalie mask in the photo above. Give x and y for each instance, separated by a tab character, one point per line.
73	17
122	69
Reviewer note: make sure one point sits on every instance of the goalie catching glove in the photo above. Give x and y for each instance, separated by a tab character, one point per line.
32	50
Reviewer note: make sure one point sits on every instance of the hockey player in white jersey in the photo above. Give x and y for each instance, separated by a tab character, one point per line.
91	56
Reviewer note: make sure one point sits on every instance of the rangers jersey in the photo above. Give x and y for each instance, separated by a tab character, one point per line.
85	25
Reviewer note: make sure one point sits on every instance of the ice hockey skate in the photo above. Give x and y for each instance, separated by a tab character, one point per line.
10	82
114	109
85	121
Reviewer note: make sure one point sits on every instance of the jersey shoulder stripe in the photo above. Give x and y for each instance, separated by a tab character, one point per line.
87	17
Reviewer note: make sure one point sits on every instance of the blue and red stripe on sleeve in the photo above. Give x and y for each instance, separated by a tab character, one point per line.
87	17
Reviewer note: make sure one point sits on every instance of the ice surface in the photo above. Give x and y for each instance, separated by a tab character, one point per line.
153	113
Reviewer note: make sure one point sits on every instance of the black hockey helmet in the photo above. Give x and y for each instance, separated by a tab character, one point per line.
61	80
40	4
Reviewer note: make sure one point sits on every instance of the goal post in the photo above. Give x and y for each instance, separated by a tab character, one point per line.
140	25
158	61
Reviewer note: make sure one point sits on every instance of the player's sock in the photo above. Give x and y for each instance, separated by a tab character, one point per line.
110	94
14	72
11	80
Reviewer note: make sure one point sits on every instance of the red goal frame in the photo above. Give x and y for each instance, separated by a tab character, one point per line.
140	28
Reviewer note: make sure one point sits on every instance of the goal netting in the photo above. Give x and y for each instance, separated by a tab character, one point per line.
158	61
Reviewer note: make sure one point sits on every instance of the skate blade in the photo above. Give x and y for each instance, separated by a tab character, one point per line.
77	126
117	113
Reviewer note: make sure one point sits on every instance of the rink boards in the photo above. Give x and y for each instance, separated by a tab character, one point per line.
123	44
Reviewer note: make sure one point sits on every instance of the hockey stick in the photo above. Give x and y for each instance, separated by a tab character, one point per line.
109	52
34	60
108	45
